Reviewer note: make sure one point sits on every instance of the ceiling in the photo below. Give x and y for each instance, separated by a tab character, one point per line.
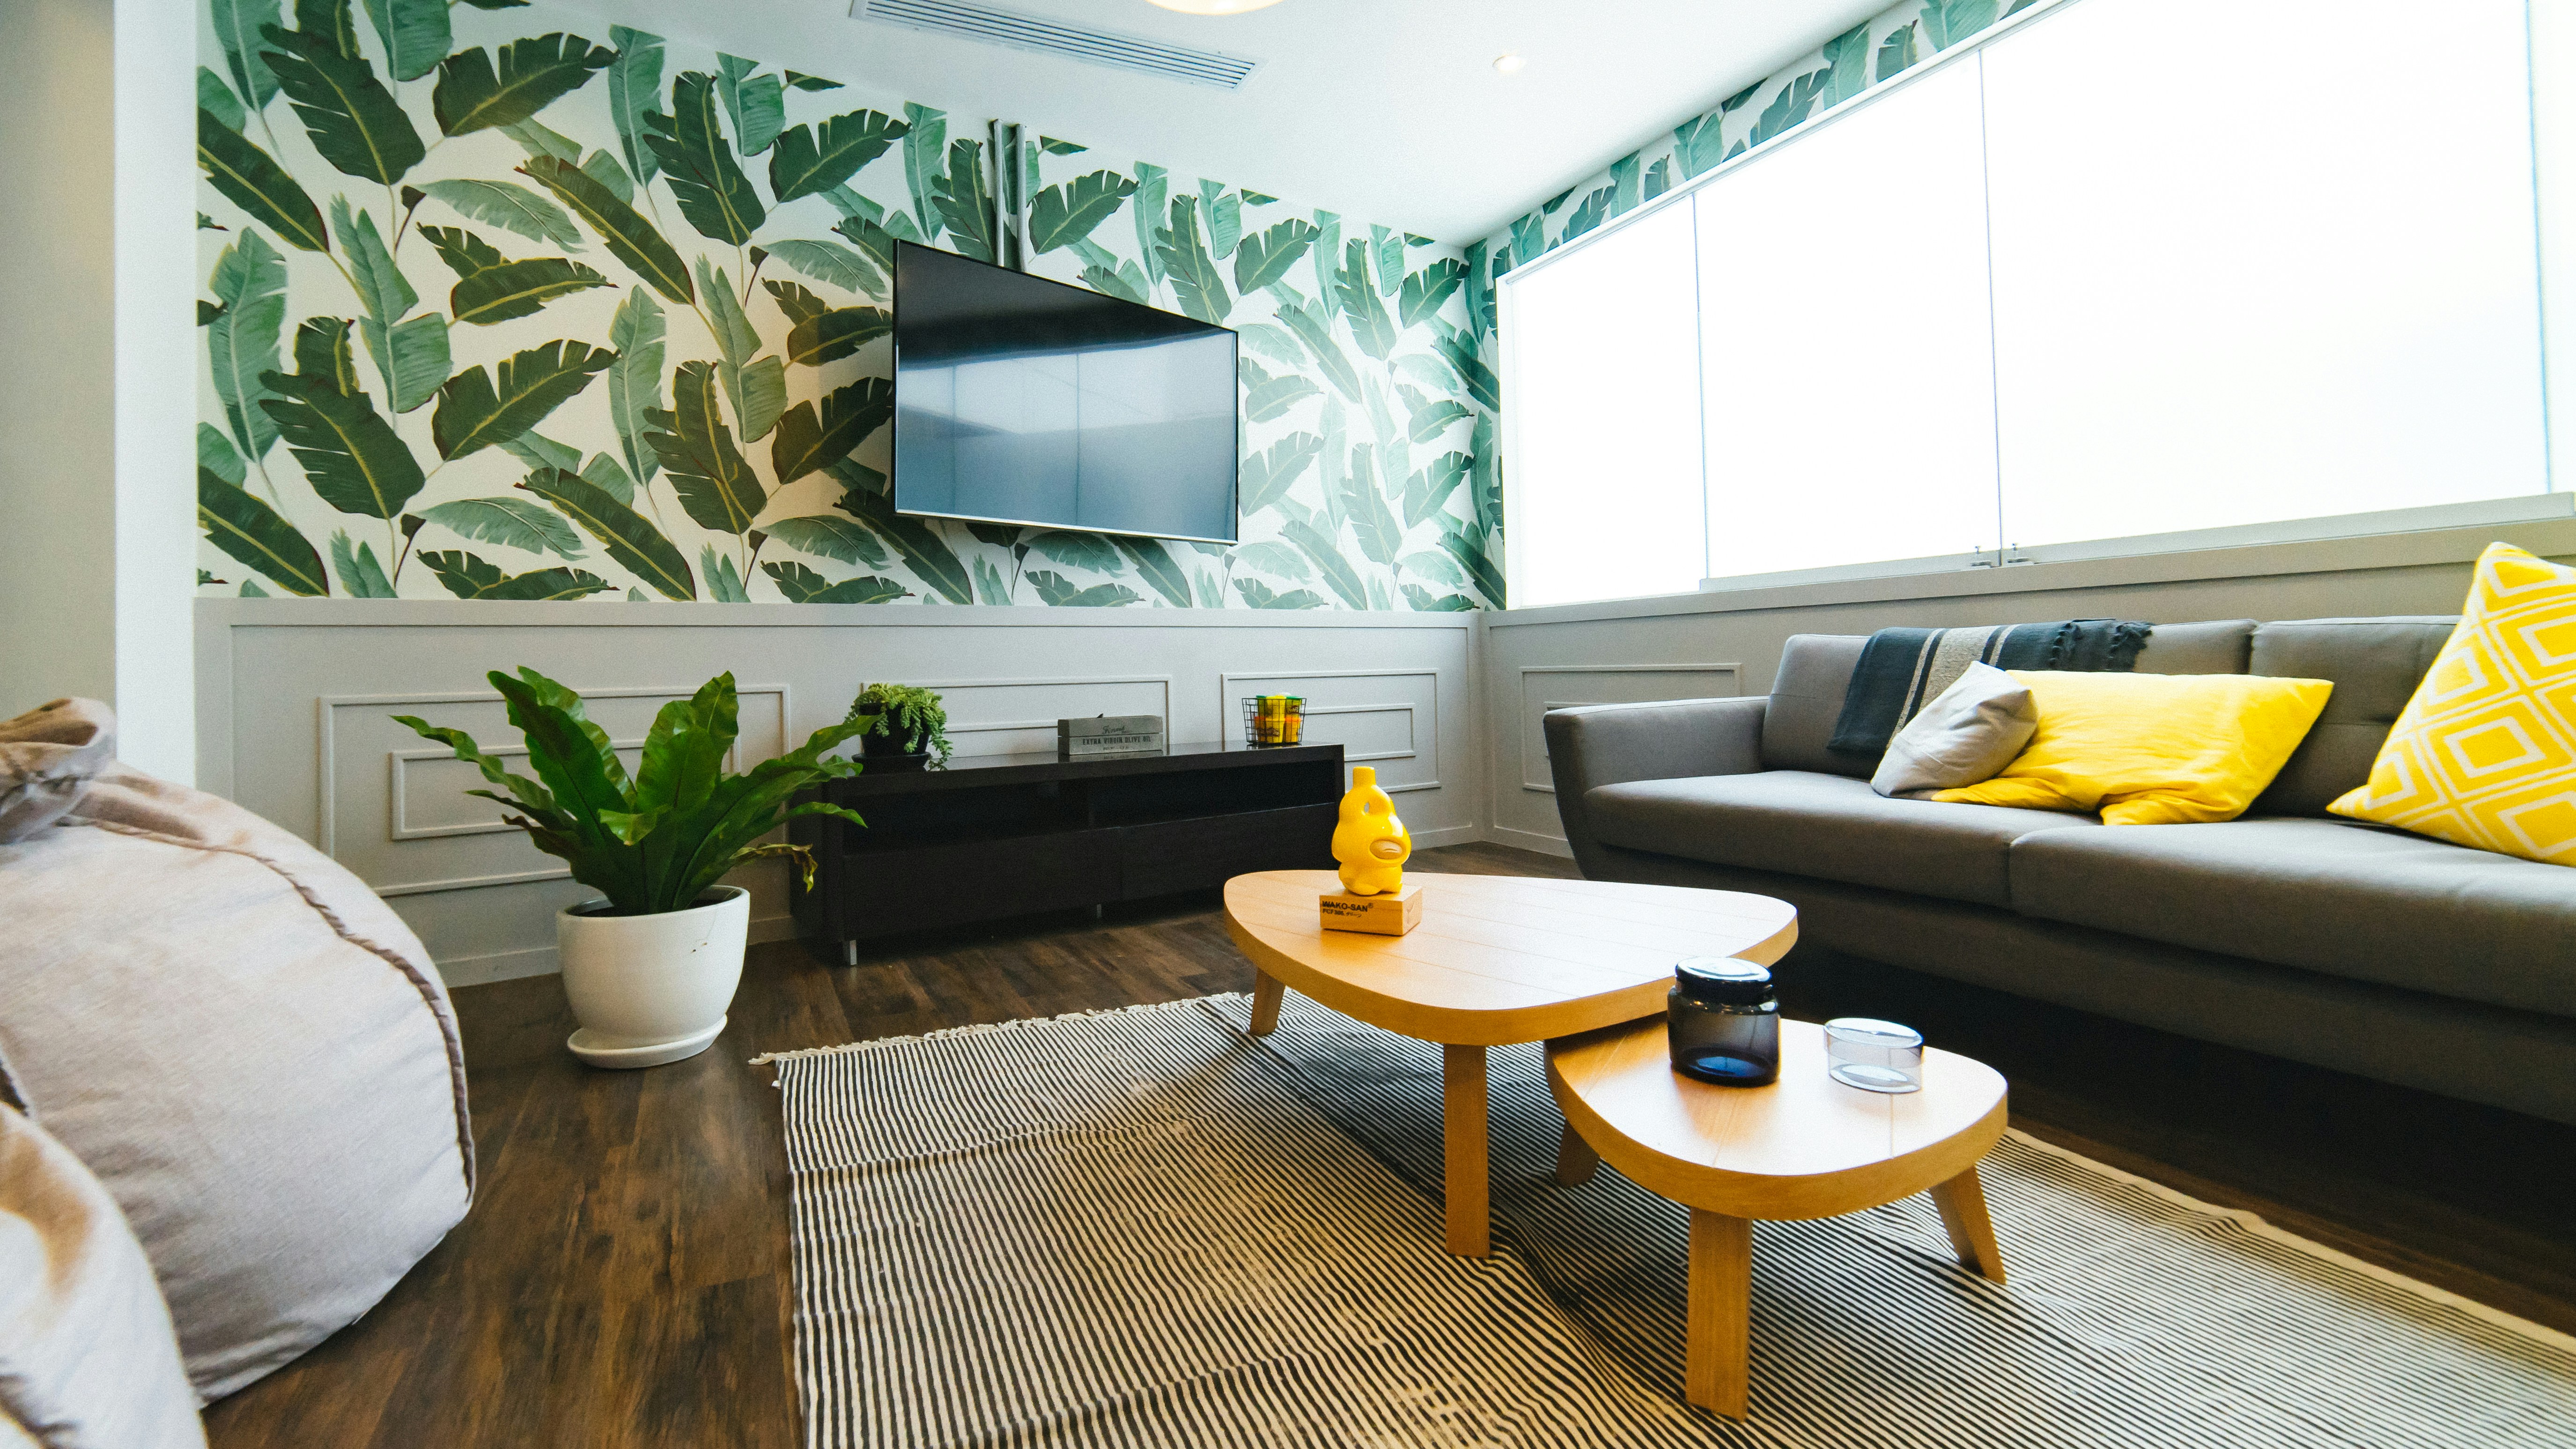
1384	110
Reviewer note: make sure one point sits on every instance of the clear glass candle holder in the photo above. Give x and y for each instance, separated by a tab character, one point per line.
1875	1056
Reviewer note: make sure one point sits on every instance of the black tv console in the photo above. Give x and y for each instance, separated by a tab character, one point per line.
1007	835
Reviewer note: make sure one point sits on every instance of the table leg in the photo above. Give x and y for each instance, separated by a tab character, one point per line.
1266	991
1464	1175
1575	1159
1717	1370
1962	1201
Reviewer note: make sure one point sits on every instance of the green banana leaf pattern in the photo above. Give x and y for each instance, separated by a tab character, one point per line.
502	301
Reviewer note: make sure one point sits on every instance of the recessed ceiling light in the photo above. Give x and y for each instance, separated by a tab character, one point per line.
1507	64
1214	7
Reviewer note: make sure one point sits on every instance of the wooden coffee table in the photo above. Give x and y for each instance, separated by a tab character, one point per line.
1496	960
1804	1147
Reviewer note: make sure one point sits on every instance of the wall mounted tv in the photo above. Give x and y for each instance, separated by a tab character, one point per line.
1020	400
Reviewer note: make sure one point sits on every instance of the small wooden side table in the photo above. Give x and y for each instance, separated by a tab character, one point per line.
1804	1147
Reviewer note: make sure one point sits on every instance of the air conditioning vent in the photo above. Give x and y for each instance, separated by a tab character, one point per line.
1052	37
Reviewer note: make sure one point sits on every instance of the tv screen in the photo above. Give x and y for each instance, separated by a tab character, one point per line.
1020	400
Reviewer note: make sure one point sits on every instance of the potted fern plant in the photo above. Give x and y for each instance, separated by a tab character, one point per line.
651	967
903	727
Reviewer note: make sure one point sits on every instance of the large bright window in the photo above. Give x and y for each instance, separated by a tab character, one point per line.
2125	270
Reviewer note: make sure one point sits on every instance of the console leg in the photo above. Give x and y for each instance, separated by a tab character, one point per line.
849	953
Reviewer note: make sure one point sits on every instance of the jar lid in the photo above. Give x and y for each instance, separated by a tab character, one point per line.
1862	1031
1723	981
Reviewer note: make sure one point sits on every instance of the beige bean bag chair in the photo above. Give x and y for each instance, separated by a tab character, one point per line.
246	1046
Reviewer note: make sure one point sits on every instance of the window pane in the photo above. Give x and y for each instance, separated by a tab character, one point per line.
2261	262
1845	331
1604	379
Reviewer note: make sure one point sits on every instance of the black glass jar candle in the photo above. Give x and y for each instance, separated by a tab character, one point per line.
1724	1017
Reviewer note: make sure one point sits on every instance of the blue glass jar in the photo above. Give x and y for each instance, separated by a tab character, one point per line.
1724	1018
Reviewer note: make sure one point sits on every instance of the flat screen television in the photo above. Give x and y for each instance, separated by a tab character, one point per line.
1020	400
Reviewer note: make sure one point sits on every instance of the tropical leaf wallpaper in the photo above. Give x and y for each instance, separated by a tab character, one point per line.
502	302
1877	49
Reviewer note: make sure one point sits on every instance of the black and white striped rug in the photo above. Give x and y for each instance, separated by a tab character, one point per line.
1142	1228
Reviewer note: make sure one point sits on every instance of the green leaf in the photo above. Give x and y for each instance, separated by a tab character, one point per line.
988	584
1898	52
1314	327
1196	283
840	539
808	441
1370	326
414	33
1460	351
355	123
468	577
382	288
1102	271
634	83
361	577
635	379
925	147
1063	215
829	263
757	103
1437	567
797	303
1272	340
1426	491
632	541
1260	596
1797	98
1266	258
684	751
1266	397
713	193
514	209
802	585
537	139
924	552
715	484
1266	476
1326	253
491	288
601	167
629	237
1947	22
539	451
759	393
250	280
249	179
736	338
1386	247
1328	560
253	533
1434	416
410	356
1224	212
1054	591
215	454
1155	565
510	522
322	354
1081	550
1380	536
473	414
808	162
1426	291
1424	601
724	581
237	24
799	81
1272	556
1153	192
603	472
1847	56
217	98
350	455
535	71
1471	557
966	203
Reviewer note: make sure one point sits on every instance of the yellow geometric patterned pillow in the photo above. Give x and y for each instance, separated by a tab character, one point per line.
2485	753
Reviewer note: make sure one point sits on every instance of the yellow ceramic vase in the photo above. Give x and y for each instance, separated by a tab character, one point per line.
1370	842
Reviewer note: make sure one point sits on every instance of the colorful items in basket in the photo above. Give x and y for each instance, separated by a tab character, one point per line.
1274	719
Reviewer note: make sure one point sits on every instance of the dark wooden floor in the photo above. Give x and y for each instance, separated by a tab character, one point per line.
623	1277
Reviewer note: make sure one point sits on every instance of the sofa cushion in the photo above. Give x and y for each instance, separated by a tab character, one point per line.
1829	826
1806	699
2218	646
2375	665
2348	900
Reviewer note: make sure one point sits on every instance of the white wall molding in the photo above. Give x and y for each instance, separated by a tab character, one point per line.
1230	699
1608	684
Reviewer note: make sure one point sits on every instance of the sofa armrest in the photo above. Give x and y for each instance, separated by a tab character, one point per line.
1611	744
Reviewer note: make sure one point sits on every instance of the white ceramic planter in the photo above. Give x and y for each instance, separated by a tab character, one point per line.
652	989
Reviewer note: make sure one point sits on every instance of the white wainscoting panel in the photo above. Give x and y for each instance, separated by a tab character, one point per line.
296	699
1561	686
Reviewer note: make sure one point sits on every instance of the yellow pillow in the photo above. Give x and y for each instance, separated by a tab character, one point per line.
2153	749
2485	753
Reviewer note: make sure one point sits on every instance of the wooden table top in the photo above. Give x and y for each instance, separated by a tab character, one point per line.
1500	959
1804	1147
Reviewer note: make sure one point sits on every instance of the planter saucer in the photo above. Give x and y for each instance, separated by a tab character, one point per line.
651	1055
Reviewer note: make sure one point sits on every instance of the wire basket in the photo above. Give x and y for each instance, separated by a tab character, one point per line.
1271	721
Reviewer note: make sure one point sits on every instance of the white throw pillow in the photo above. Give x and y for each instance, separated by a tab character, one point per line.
1967	734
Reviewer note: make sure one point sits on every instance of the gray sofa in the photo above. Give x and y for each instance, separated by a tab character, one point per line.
2287	931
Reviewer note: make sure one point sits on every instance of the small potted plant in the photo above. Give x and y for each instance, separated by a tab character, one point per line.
651	968
901	727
